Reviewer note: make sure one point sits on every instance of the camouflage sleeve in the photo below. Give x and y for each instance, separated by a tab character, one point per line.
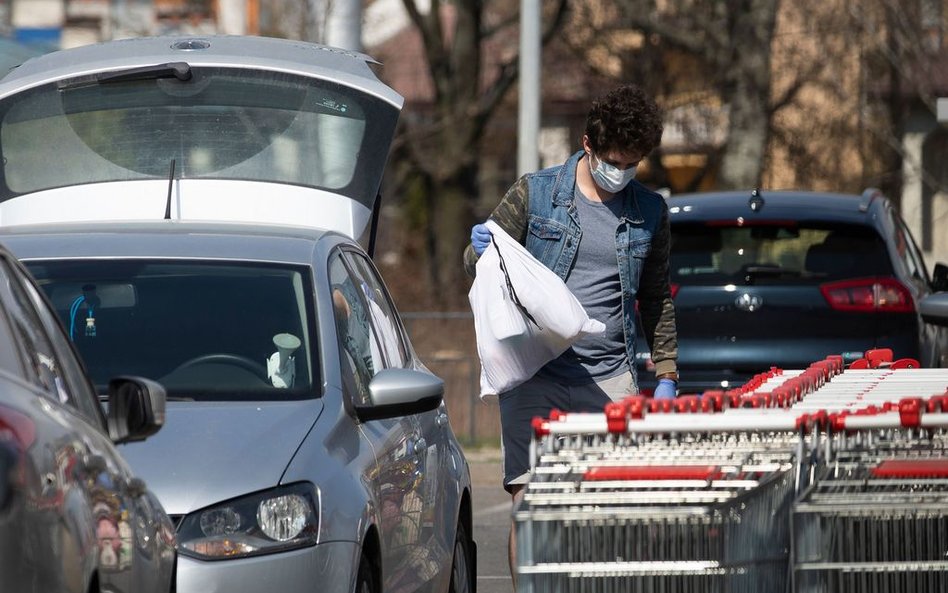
655	303
511	215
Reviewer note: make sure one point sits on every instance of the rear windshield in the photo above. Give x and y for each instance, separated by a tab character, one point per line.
222	123
774	252
203	330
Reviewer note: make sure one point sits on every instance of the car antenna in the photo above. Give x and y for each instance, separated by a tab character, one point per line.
757	201
170	185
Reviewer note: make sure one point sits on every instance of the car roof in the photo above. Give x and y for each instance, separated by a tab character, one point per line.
775	205
13	53
165	239
283	55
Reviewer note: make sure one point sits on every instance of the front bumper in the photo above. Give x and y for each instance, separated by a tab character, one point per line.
329	567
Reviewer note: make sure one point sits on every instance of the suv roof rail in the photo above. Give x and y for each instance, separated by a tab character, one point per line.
868	195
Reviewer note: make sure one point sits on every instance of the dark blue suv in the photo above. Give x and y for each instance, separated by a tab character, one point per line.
785	278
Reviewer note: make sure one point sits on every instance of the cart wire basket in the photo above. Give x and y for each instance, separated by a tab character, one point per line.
703	515
822	480
875	519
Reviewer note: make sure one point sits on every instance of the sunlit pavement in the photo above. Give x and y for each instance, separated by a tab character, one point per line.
491	521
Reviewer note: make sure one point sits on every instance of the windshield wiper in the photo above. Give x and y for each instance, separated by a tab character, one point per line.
752	272
179	70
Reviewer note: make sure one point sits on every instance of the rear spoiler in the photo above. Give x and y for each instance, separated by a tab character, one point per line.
868	195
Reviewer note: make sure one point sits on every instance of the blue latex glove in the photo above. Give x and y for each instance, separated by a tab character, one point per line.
666	389
480	238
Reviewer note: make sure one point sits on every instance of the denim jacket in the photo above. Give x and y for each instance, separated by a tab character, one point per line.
539	210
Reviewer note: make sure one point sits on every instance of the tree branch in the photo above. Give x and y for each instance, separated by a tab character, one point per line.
432	37
508	22
673	35
510	70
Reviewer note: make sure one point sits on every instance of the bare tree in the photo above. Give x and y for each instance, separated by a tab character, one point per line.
731	40
811	93
442	144
297	19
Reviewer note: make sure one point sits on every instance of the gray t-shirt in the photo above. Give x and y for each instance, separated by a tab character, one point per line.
594	279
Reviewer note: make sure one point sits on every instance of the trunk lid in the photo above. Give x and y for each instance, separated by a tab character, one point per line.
229	129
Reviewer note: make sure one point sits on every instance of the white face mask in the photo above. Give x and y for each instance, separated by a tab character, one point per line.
609	177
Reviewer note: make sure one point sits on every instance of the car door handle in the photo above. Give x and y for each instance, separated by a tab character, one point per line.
420	446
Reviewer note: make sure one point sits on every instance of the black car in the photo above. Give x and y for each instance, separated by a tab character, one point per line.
785	278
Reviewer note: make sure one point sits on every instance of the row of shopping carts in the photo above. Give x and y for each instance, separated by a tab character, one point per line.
825	479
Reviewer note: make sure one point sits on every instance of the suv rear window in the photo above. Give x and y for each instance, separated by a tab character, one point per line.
782	252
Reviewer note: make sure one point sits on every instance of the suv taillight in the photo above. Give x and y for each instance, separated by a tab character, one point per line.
868	295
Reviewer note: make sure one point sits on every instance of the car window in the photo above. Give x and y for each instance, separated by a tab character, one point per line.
205	330
382	312
907	251
775	251
222	123
82	395
44	369
360	354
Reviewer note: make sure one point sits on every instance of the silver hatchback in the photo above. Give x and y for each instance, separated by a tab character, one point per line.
196	210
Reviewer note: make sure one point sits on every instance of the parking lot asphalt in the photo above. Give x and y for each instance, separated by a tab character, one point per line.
491	520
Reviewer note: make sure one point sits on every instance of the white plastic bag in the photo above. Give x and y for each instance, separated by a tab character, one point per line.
524	315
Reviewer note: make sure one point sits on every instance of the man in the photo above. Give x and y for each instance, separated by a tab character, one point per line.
607	237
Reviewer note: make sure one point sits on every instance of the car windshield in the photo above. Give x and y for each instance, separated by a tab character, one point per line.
204	330
220	123
782	252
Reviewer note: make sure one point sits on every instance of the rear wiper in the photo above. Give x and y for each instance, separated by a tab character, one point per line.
179	70
769	271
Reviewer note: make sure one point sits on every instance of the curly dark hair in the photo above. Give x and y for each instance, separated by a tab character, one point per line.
626	120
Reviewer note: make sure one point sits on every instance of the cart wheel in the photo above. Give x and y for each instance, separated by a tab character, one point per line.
462	574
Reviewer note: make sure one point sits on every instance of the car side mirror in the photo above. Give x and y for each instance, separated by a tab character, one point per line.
934	308
940	278
136	408
401	392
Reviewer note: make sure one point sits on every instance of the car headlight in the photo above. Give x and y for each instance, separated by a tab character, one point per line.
276	520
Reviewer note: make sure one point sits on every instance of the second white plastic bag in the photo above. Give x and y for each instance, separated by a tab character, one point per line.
524	314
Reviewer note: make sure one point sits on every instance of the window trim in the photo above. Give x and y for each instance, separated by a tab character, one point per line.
403	342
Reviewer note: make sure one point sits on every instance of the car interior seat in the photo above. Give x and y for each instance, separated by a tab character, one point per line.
834	257
693	252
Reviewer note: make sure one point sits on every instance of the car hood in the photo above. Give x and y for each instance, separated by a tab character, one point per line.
208	452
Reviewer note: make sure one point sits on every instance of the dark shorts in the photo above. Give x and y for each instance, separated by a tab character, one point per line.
537	397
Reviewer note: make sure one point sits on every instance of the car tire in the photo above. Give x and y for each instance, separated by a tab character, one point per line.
462	573
366	580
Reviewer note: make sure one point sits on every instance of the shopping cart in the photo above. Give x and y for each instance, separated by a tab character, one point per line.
874	523
699	495
690	513
876	515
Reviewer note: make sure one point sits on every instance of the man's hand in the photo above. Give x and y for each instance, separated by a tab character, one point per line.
480	238
666	389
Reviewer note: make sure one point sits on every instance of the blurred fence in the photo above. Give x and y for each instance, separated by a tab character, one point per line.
446	344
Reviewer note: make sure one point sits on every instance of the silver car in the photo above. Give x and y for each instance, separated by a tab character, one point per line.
73	517
196	210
